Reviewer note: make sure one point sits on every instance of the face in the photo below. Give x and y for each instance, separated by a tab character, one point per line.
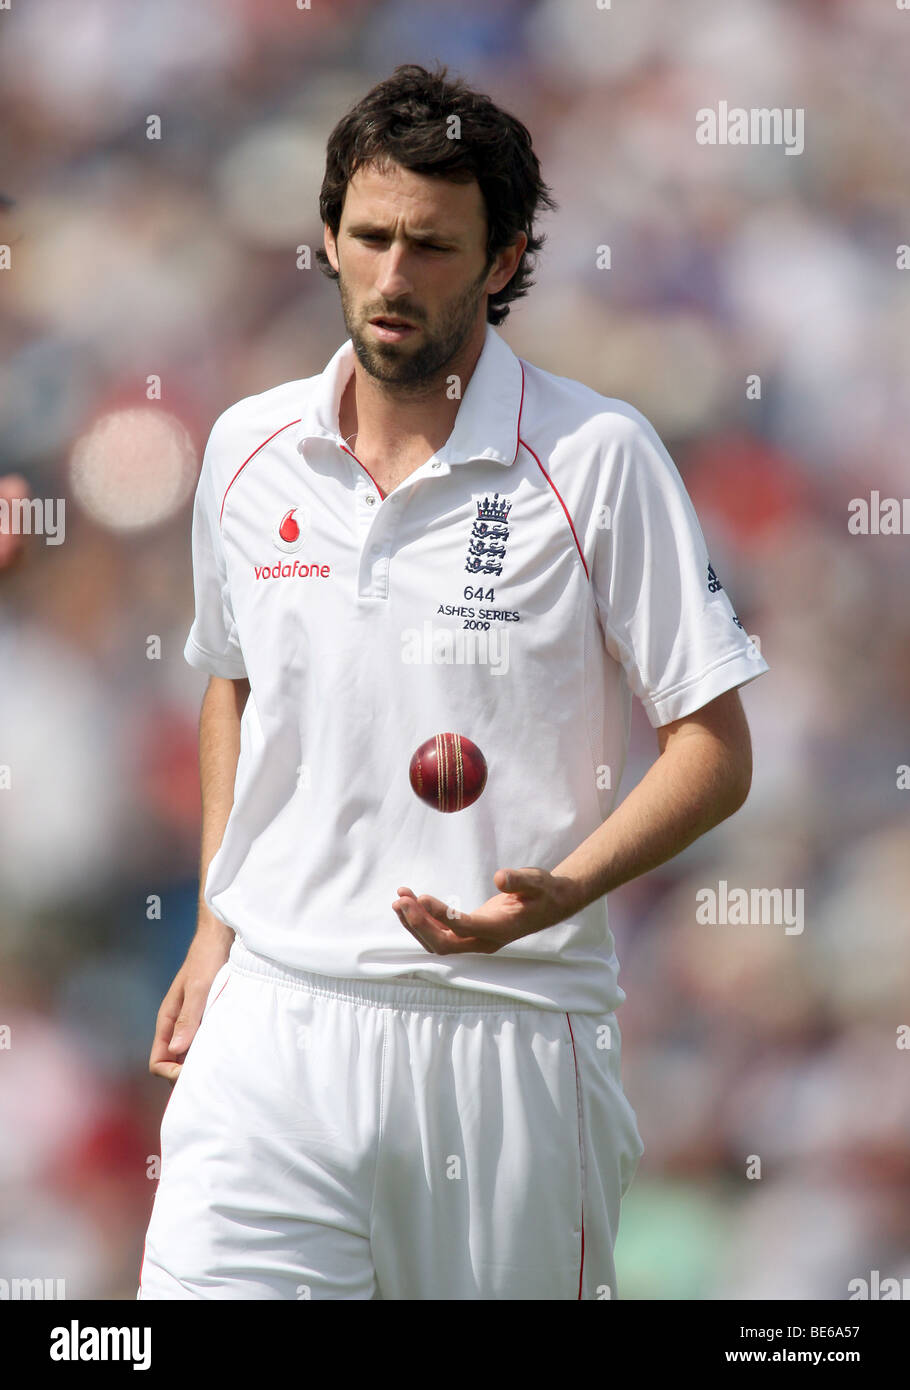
411	250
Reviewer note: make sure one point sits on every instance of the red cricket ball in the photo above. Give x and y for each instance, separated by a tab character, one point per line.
448	772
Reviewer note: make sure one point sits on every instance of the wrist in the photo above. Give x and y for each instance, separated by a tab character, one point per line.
211	927
571	893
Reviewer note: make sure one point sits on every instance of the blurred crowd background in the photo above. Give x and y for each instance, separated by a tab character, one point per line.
176	258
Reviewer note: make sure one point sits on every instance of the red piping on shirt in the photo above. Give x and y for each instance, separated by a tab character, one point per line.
246	461
365	469
520	408
514	456
561	502
580	1140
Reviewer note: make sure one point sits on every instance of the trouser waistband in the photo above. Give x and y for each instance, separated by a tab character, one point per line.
398	992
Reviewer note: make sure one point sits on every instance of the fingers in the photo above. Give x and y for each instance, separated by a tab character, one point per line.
188	1020
440	940
169	1070
172	1040
184	1031
184	1004
414	932
428	906
164	1028
164	1062
443	930
437	943
176	1026
428	913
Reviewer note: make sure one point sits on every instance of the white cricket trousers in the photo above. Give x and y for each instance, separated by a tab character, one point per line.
348	1139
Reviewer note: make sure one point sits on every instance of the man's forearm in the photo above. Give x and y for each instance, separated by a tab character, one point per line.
219	750
690	788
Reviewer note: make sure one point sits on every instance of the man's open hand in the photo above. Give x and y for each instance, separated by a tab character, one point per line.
529	900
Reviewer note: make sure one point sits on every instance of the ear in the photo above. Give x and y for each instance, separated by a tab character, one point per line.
331	248
507	264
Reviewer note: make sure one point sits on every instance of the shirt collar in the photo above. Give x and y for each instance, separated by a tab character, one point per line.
488	419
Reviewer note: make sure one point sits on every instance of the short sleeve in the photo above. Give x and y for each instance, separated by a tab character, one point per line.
665	615
212	644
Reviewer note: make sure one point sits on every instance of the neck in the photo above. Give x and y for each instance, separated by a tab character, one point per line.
398	422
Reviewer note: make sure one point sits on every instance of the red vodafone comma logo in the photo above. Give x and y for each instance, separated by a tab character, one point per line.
291	530
289	534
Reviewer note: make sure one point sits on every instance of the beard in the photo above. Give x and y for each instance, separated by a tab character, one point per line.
399	365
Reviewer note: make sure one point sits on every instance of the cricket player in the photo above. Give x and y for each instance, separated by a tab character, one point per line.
394	1036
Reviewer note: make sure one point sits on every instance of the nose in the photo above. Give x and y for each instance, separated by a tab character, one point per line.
392	280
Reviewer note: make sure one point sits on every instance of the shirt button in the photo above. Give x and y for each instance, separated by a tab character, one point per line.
370	499
435	463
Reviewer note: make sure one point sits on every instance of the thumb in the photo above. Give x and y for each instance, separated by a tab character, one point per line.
511	881
527	881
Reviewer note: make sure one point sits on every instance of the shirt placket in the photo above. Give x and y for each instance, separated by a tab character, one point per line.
377	521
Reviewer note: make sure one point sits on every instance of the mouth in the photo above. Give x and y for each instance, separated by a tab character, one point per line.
390	328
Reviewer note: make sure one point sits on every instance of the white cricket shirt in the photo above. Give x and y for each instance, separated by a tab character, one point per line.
541	568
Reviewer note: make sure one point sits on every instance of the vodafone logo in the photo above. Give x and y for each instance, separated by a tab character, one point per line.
290	531
289	571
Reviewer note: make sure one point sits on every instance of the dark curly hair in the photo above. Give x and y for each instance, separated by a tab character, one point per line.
406	120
